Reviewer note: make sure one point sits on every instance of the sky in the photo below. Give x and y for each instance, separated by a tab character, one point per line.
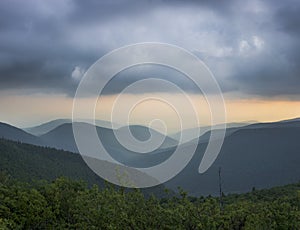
252	48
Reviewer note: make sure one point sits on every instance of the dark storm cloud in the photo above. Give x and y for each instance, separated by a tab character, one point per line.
274	70
288	18
89	11
133	74
252	46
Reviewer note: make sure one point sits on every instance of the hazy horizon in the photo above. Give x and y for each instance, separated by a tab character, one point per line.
46	47
246	122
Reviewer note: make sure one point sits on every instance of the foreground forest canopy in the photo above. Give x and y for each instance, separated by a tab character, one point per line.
67	204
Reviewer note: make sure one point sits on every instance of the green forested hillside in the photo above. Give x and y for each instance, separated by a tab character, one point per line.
65	204
29	163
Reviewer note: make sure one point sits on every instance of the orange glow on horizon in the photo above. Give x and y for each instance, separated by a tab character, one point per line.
24	111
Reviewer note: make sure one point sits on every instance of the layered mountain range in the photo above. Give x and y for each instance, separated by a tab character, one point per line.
260	155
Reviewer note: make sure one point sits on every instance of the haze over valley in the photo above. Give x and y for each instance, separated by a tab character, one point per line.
149	114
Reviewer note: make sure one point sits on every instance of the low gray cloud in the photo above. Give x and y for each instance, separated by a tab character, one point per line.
252	47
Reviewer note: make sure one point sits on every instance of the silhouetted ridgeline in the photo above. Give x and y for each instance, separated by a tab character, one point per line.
261	155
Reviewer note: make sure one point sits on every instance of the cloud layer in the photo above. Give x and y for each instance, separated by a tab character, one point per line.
252	47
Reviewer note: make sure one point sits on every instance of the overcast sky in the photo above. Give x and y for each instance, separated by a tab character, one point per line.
252	47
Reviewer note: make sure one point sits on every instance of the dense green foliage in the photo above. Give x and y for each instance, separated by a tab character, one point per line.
66	204
73	202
